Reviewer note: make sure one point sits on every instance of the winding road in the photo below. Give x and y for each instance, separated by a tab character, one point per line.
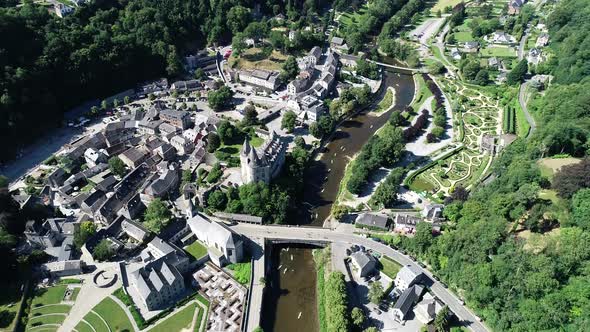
340	235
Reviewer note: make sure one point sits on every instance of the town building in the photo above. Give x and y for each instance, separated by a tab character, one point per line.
63	268
405	302
157	87
339	44
372	221
182	145
405	223
501	37
180	119
514	7
94	157
406	277
223	245
133	157
542	40
427	309
261	78
471	47
455	54
535	56
433	211
62	10
190	85
157	284
364	263
265	163
311	59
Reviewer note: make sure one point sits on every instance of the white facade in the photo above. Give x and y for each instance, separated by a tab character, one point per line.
265	164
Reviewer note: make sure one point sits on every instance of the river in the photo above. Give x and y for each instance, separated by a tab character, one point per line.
290	301
323	178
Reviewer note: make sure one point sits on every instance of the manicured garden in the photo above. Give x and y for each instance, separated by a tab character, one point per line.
241	272
112	313
179	321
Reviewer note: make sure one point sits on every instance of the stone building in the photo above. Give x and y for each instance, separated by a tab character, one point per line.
265	163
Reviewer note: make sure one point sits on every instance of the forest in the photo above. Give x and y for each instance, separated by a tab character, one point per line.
522	259
51	65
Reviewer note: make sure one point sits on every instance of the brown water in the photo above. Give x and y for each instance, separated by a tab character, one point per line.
324	176
290	302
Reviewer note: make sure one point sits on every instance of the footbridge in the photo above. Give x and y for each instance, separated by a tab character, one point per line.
408	69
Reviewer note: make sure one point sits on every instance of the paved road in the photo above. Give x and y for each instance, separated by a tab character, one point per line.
522	100
309	233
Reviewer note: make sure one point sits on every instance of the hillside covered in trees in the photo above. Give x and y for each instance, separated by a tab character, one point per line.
51	65
519	255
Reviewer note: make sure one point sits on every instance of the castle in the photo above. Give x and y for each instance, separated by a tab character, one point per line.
264	164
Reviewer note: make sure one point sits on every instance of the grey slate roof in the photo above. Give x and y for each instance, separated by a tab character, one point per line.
408	298
372	220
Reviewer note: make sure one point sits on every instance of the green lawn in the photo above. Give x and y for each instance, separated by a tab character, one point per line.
420	184
51	295
178	321
503	52
114	315
463	36
93	320
58	308
75	293
352	18
389	267
43	320
522	125
423	92
441	4
196	249
83	327
242	272
549	195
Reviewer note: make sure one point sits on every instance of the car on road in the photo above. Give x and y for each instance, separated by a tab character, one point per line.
376	239
421	264
377	311
384	306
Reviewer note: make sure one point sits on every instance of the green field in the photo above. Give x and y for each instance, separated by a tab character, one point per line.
179	321
385	103
463	36
389	267
51	295
441	4
196	249
522	125
93	320
422	94
114	315
352	18
503	52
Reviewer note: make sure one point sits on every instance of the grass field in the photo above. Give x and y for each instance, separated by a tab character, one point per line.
549	166
522	125
254	58
242	272
420	185
196	249
352	18
179	321
51	295
463	36
422	94
114	315
389	267
441	4
95	321
503	52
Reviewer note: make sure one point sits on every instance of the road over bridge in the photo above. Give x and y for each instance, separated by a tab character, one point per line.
298	234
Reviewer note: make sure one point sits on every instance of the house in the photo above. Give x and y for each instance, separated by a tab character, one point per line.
182	145
150	127
156	87
265	163
133	208
349	60
180	119
514	7
471	46
135	230
501	37
224	246
455	54
427	309
308	107
133	157
338	43
494	63
372	221
405	223
92	203
405	302
535	56
94	157
542	40
163	184
201	60
311	59
261	78
364	263
433	211
292	35
406	277
63	268
190	85
62	10
157	285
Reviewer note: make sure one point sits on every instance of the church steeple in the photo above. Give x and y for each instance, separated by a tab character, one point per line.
246	147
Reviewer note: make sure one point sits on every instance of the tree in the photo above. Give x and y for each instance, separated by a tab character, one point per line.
117	166
238	44
299	142
86	230
126	100
238	18
215	174
200	74
221	98
250	116
581	209
156	216
227	132
572	178
217	200
358	316
423	237
290	69
517	74
213	142
288	121
371	329
441	321
103	251
256	31
315	130
376	292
